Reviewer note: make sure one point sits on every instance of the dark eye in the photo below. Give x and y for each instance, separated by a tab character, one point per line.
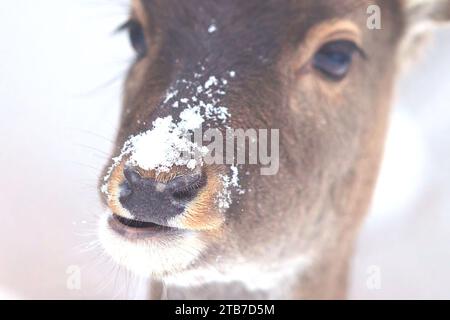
137	37
334	59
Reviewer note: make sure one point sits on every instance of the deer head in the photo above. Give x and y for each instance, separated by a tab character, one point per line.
312	70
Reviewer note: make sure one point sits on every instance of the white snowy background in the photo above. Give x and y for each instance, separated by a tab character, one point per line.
61	70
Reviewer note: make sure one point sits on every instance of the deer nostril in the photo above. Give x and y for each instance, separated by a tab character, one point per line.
132	176
185	188
124	190
130	182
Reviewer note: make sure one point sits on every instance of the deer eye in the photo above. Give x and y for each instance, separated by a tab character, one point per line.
334	59
137	37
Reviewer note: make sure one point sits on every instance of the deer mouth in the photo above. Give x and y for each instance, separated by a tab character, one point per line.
149	249
136	229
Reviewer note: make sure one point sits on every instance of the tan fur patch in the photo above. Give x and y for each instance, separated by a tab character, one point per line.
202	213
163	177
137	10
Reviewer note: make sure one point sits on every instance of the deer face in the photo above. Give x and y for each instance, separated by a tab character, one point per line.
311	69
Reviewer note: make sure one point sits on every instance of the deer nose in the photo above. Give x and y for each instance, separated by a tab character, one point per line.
149	200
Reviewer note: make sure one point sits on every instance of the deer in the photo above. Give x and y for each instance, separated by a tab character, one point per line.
312	70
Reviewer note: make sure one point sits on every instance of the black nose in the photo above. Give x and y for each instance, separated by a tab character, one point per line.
149	200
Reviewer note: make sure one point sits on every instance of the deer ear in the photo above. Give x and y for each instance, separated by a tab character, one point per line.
426	12
421	16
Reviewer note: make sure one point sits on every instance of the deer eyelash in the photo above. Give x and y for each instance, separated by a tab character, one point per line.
124	26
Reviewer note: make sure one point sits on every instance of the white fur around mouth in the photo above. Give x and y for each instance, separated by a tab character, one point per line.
153	257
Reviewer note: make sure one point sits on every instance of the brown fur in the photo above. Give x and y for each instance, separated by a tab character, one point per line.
331	134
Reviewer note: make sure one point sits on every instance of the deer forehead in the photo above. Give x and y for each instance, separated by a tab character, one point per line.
317	10
233	13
